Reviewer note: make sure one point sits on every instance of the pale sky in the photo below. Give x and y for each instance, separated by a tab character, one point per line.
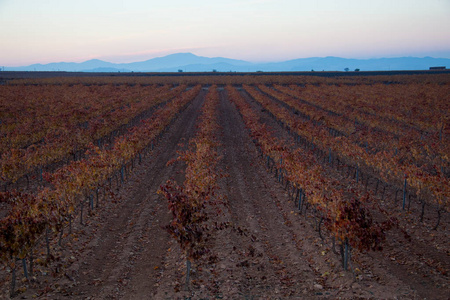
43	31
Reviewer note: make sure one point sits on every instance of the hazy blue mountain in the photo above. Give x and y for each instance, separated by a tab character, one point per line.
174	62
64	66
189	62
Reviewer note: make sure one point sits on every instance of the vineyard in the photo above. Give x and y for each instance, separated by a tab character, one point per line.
225	187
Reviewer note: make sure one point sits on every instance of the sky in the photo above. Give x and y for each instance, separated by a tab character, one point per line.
44	31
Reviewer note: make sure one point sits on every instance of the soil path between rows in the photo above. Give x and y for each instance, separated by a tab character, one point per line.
265	262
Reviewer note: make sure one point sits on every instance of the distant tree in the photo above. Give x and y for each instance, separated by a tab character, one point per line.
356	70
346	69
214	70
180	71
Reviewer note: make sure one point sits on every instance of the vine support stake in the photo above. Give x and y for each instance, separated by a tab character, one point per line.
24	265
423	203
300	201
438	220
345	251
81	212
61	236
188	273
91	201
13	280
347	254
404	195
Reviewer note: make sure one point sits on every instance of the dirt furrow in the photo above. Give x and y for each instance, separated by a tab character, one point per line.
265	261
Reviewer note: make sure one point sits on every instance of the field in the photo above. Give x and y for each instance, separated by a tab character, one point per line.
225	187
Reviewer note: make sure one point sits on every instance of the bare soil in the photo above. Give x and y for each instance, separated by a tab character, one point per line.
123	252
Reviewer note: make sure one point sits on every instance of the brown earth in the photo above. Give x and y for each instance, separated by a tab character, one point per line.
122	251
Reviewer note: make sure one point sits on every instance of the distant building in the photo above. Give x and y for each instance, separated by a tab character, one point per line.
437	68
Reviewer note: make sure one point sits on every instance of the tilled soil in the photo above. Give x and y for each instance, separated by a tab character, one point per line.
269	252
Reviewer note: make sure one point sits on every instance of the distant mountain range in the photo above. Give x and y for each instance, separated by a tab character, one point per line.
188	62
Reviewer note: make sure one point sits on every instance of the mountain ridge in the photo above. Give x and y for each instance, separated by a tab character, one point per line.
188	62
